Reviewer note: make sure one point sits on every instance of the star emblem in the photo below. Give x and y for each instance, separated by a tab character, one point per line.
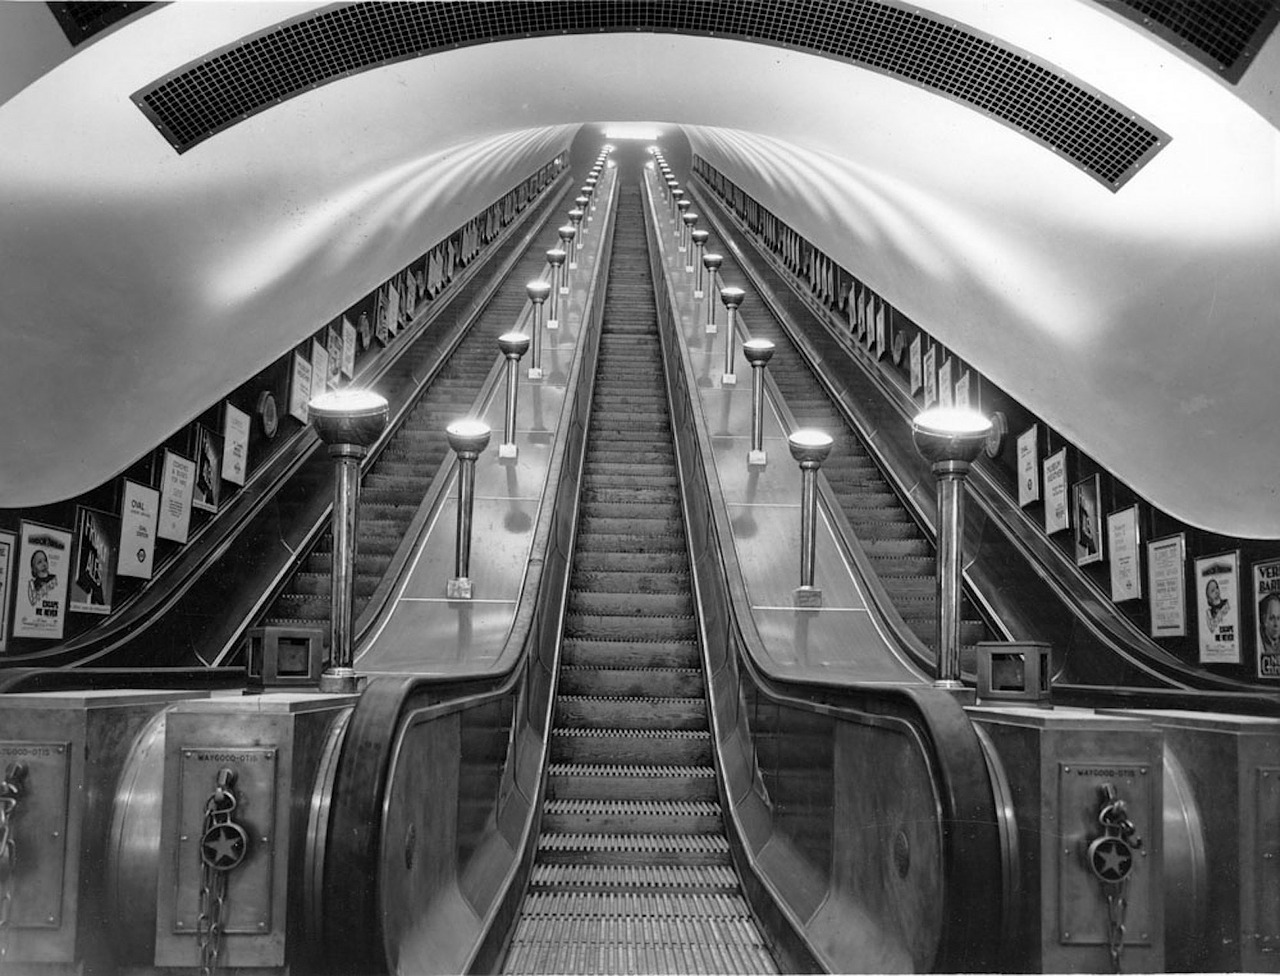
1112	860
223	846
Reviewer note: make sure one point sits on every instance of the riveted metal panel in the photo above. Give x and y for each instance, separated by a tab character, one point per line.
1267	852
38	831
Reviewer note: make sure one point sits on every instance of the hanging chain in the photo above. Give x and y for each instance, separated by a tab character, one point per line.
1111	858
223	845
15	776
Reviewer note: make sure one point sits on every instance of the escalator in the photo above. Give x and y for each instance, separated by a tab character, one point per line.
632	871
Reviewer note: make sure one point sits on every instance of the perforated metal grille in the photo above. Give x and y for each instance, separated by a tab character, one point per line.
1224	34
1099	136
80	21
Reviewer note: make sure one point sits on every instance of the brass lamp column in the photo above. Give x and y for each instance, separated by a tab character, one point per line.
690	222
700	238
567	233
711	262
732	298
949	438
758	353
537	290
555	258
350	422
513	346
467	438
810	448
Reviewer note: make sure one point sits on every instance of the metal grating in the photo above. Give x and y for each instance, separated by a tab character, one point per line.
1102	138
81	21
1225	35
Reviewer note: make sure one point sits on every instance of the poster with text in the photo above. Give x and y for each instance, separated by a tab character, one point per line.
319	368
8	542
139	509
235	444
1057	516
962	391
208	487
348	348
1123	543
1217	584
93	575
882	315
1086	496
44	560
300	387
931	377
335	358
1166	582
1266	600
393	308
917	369
177	482
946	398
1029	466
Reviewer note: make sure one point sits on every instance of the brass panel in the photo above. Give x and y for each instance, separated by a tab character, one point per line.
1267	852
1082	906
250	885
39	832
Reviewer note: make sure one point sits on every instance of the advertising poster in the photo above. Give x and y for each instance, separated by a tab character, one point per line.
1218	608
1029	466
7	543
335	357
1086	496
931	377
300	387
1266	599
319	368
208	487
138	512
962	391
93	579
1056	514
44	560
946	398
1122	543
917	370
881	330
177	482
380	330
394	308
1166	564
348	348
235	440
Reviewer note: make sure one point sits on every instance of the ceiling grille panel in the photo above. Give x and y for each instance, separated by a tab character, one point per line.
1099	136
1223	34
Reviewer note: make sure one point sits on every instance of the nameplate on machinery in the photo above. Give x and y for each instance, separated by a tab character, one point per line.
34	784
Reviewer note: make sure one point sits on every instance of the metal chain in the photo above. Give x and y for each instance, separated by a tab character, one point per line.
15	776
222	847
1117	907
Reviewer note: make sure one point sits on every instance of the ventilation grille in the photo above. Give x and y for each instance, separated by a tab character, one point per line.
1102	138
81	21
1223	34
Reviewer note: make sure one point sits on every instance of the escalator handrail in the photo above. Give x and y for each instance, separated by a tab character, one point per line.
971	844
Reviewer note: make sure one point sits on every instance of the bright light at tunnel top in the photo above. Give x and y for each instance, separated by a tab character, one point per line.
626	130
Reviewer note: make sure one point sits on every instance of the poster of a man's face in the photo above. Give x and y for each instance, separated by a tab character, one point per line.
208	487
1088	530
1266	596
1218	598
40	606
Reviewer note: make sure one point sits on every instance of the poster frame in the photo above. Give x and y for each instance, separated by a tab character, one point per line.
1266	659
25	530
8	548
1219	651
1053	522
1177	594
1087	489
108	562
1029	464
1125	573
208	447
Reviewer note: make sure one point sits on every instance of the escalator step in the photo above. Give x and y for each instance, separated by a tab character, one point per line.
631	562
591	877
631	747
596	816
584	711
600	627
592	652
632	682
687	849
633	582
617	604
567	781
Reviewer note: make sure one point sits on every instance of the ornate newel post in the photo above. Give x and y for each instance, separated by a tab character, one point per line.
513	345
556	258
810	448
349	422
732	298
467	438
537	290
758	353
949	438
711	262
700	238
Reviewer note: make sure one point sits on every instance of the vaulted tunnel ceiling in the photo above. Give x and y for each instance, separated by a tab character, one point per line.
141	283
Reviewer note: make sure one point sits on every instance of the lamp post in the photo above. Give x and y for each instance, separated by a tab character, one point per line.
758	353
555	258
712	263
810	448
349	422
700	238
582	200
949	438
513	345
682	206
567	233
732	298
575	220
690	220
467	438
677	197
537	290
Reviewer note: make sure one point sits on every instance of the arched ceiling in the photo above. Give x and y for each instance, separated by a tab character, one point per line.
140	285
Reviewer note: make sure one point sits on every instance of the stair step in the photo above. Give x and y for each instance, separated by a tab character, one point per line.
569	781
584	711
629	604
582	816
631	747
595	626
607	877
632	682
686	849
594	652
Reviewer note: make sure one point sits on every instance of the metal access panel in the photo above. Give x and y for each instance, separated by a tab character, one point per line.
1082	904
1266	858
38	830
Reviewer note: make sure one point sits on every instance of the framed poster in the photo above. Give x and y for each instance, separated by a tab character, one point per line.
208	485
1057	516
300	387
917	370
138	512
335	357
319	367
930	377
393	309
882	315
962	391
946	398
1086	495
1029	466
235	440
8	541
348	348
44	556
93	578
1266	598
1122	543
1166	581
1217	582
177	482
